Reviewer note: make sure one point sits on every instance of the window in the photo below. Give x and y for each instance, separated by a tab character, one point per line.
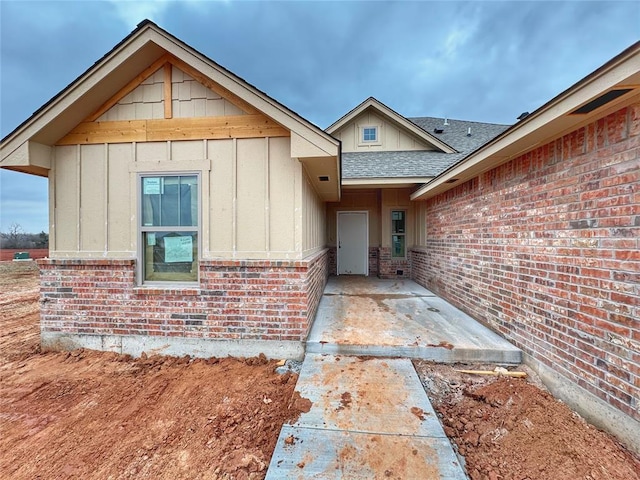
398	234
370	134
169	228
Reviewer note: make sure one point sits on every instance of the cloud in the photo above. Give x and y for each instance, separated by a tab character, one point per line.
485	61
132	12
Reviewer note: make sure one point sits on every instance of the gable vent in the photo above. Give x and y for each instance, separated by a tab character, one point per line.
600	101
323	178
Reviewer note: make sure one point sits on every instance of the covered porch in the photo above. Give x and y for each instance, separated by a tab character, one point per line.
370	316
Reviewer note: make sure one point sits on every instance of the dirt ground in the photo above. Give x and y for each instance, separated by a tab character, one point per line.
6	254
510	428
88	414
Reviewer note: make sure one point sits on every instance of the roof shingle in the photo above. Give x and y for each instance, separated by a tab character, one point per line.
428	163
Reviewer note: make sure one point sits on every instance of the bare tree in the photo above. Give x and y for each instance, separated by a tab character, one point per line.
14	235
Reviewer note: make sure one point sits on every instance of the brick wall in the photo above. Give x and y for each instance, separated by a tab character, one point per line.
373	261
546	250
390	266
239	299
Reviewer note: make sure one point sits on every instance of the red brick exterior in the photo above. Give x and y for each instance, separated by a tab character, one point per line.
389	266
238	299
373	261
381	264
546	250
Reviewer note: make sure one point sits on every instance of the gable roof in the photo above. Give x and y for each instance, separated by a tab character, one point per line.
100	82
421	165
394	117
465	136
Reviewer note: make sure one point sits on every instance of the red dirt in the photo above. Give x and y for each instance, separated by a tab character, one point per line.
509	428
6	254
87	414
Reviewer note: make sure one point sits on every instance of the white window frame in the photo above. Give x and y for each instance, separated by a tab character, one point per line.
361	130
141	229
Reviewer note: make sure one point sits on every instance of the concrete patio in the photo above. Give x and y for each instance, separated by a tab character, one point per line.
399	318
370	418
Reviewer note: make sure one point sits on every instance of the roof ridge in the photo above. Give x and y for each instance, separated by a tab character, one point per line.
458	120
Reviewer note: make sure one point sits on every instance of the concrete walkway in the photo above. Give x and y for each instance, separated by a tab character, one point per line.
370	417
399	318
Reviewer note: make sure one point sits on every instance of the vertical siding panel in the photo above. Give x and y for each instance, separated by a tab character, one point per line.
66	199
234	197
105	186
298	201
281	195
52	205
221	196
204	200
267	189
120	198
92	198
251	195
78	192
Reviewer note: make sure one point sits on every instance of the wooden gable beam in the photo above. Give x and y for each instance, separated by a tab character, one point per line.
211	128
129	87
166	61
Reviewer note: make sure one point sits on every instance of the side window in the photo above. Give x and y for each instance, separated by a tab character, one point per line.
169	213
398	233
369	134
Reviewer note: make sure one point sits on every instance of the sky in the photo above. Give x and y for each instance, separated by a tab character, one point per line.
479	60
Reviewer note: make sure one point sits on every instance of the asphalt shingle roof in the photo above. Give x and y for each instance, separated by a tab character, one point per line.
422	163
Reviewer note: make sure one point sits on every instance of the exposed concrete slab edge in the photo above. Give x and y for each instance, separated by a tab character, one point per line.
437	435
593	409
177	346
442	355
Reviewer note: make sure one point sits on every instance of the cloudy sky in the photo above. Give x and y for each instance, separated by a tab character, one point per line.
483	61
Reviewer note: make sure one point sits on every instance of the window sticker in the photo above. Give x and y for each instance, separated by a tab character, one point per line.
178	249
151	239
151	185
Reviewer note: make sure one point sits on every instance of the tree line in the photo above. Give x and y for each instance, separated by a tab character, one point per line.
15	238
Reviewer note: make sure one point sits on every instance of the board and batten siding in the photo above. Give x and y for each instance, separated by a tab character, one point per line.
392	138
257	202
313	218
189	98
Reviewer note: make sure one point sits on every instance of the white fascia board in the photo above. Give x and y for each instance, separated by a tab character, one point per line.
618	74
394	117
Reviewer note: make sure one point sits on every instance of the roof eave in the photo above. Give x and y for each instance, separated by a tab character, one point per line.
149	33
394	116
549	122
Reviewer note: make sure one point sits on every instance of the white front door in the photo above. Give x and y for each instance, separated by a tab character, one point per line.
353	243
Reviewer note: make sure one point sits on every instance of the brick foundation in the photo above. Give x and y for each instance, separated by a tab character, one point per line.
546	250
373	261
238	300
389	266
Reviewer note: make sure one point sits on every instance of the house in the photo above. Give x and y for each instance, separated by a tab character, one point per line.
192	213
385	158
185	205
